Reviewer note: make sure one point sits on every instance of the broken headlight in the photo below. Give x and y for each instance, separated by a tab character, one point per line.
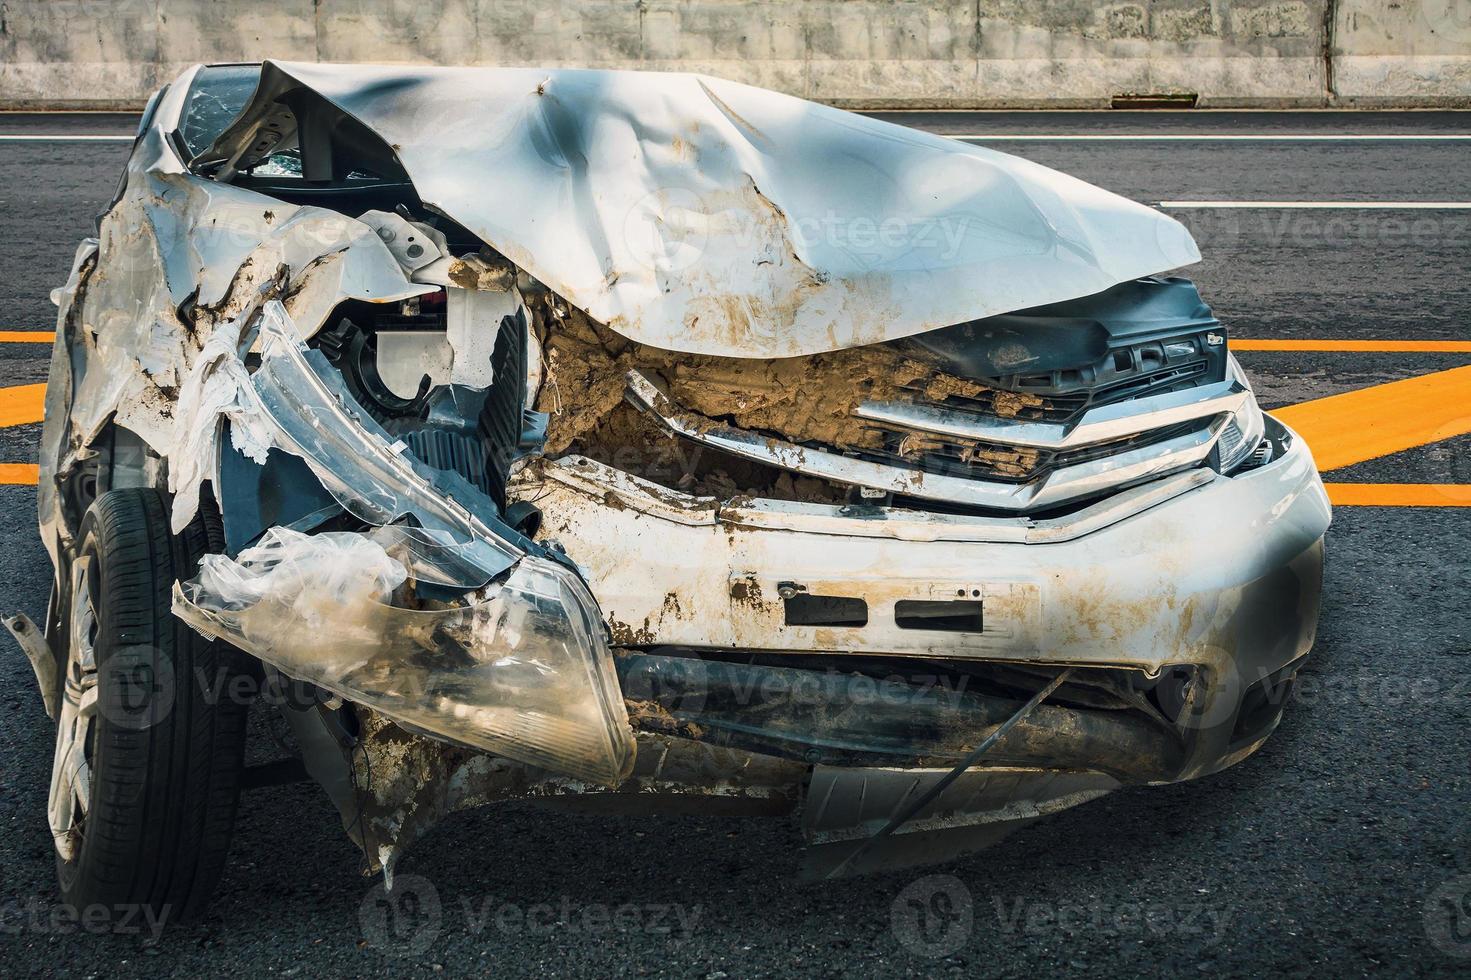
1244	432
521	669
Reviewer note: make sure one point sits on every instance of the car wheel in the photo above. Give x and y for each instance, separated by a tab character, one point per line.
146	774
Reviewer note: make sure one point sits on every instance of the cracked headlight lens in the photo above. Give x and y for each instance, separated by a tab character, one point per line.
1244	432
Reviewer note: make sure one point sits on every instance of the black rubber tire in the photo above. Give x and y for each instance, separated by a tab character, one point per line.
165	783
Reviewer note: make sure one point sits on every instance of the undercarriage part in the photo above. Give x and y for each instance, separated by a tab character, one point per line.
913	808
392	785
39	653
849	719
281	772
327	738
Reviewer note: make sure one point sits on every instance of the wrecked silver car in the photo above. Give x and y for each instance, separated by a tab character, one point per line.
646	441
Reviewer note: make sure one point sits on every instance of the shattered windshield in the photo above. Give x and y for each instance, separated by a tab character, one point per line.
215	99
218	95
286	163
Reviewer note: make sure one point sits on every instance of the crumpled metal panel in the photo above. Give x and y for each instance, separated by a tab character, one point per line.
701	215
177	258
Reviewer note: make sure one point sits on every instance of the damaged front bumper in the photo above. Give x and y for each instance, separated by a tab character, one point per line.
1201	590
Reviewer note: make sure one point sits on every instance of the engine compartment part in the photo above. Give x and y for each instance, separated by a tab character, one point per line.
456	539
459	407
520	671
805	399
1137	337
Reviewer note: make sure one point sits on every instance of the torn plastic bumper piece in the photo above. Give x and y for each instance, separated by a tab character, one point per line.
524	672
844	808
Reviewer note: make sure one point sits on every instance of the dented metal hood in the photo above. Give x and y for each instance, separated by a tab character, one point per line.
706	216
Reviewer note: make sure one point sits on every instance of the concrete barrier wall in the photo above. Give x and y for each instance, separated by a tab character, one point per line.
858	53
1401	52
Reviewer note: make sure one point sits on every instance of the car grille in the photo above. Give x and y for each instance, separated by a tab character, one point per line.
1022	443
978	460
1059	397
1063	396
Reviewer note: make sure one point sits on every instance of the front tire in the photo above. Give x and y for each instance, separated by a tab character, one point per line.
146	775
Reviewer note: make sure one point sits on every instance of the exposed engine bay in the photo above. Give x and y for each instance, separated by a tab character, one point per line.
1001	370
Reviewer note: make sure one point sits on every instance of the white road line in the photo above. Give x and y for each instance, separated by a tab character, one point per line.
1325	205
1210	137
61	138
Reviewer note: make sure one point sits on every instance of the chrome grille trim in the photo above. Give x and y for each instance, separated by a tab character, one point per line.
1114	421
1058	486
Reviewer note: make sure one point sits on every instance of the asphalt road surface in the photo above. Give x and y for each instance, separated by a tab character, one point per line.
1343	847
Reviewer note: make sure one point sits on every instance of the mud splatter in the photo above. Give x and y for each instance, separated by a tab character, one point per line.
807	400
485	271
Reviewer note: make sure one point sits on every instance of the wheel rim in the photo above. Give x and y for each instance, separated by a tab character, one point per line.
71	769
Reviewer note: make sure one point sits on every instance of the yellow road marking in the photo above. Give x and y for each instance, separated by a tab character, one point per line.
1357	346
19	474
21	405
27	336
1399	494
1385	419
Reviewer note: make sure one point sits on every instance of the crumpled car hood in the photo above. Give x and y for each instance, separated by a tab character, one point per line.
706	216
